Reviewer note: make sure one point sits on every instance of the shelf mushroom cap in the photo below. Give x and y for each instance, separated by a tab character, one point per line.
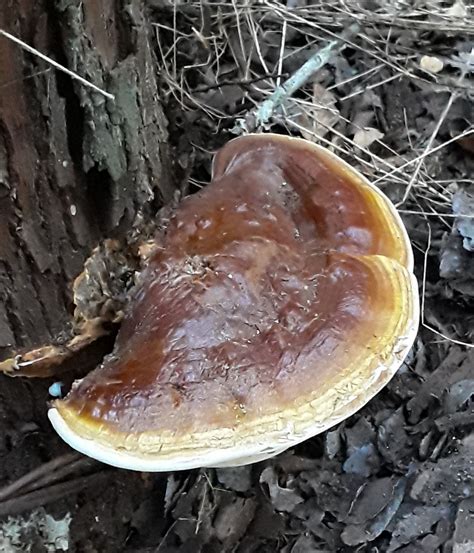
279	301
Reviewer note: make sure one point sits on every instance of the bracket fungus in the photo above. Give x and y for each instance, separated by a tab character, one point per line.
278	302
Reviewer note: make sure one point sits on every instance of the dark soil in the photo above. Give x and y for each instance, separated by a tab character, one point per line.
399	475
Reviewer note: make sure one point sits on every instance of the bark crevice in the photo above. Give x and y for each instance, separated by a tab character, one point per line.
75	167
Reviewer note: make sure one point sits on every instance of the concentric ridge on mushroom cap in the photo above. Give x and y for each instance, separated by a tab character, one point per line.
278	302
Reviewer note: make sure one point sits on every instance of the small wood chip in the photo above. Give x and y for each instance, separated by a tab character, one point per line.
431	64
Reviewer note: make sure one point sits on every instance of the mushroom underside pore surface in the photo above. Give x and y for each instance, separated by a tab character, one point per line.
280	299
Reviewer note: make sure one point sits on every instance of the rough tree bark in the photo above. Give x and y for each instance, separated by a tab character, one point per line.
74	166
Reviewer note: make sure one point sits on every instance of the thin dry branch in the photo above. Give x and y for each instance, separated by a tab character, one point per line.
55	64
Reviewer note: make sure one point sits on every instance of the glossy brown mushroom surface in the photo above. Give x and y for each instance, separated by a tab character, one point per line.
280	293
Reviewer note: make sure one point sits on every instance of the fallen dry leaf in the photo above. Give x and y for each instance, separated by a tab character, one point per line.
365	137
457	10
321	116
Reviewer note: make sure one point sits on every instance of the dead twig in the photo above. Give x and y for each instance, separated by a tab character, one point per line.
39	474
55	64
426	153
40	486
41	497
266	110
434	134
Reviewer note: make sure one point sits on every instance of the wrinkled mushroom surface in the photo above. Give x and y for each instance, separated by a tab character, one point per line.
279	301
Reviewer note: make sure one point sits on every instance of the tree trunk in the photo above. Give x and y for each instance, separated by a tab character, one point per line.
75	166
